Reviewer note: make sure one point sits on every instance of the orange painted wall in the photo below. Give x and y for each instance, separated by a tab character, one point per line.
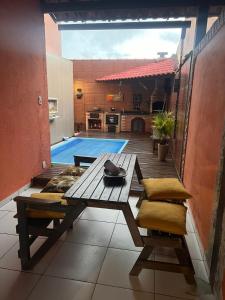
24	126
206	126
223	286
52	36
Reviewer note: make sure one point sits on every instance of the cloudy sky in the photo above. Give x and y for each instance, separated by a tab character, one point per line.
106	44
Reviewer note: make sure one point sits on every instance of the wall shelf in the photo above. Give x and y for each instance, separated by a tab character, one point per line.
52	117
52	105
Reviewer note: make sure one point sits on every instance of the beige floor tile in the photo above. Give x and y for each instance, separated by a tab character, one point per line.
121	219
6	243
10	206
91	232
167	255
206	267
135	210
194	230
193	246
8	223
30	191
122	239
103	292
3	213
133	201
200	270
116	268
49	288
199	266
79	262
100	214
190	217
189	225
16	285
64	235
200	246
11	261
174	284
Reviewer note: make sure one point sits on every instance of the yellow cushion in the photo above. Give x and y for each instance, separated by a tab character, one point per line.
166	217
73	171
60	184
165	189
33	213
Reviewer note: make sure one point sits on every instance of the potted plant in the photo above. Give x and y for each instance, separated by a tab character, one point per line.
163	125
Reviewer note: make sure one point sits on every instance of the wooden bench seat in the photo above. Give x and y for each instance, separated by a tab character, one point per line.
36	212
166	228
29	228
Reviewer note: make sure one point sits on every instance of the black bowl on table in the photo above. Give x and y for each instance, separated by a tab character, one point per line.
114	180
122	174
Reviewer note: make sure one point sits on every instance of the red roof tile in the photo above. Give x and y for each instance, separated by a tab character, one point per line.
157	68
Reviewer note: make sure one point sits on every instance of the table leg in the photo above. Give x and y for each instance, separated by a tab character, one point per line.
22	229
138	171
140	177
132	226
70	216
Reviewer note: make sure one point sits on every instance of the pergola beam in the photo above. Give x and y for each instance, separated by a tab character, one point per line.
125	4
126	25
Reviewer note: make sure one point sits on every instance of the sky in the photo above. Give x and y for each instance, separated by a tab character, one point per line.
113	44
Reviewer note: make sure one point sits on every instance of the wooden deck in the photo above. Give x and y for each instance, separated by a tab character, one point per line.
140	145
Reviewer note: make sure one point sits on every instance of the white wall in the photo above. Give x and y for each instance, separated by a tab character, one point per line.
60	86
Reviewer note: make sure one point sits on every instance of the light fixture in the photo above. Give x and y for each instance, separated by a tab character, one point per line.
79	94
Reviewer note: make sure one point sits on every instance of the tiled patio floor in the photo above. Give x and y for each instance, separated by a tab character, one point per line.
93	262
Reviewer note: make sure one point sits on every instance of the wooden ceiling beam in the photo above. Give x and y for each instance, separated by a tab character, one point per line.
126	25
77	5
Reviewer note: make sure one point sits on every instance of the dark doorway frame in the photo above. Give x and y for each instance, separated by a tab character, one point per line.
141	121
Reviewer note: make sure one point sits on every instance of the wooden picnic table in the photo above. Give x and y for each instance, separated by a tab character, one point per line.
94	190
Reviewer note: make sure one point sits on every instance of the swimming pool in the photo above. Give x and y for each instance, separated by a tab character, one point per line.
63	152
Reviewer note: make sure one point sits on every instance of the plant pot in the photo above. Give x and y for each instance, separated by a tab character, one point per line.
162	151
155	132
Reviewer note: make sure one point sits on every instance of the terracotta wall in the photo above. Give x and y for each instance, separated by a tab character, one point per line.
207	118
223	286
85	74
52	36
24	128
203	103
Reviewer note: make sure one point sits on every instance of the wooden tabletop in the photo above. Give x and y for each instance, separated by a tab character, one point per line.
92	185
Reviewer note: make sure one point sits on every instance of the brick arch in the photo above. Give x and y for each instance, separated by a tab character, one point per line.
138	125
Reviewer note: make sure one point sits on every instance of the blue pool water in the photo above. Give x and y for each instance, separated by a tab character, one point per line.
63	152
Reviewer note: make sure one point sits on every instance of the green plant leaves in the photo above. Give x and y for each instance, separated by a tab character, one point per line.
164	124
